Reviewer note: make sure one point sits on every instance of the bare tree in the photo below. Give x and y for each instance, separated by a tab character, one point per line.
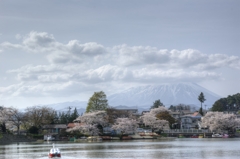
113	114
38	116
15	117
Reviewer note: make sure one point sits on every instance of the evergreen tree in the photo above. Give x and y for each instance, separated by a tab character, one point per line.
201	98
74	115
63	118
220	105
3	127
156	104
55	118
231	103
97	102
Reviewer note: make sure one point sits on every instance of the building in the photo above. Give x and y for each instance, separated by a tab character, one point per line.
53	131
190	121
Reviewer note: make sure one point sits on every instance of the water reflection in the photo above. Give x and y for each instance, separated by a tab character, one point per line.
145	149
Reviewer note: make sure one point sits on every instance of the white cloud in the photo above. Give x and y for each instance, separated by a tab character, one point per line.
76	66
139	55
39	41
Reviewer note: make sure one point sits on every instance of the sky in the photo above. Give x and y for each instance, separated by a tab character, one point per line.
65	50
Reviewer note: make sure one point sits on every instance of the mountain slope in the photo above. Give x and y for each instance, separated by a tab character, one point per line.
169	94
64	107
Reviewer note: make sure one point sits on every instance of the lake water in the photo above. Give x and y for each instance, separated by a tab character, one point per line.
179	148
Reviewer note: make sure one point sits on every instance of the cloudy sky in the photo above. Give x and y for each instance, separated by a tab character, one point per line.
64	50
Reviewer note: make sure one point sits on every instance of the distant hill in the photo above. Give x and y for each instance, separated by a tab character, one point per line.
169	94
64	106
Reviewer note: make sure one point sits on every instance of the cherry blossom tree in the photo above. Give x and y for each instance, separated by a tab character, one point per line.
87	129
3	118
90	123
218	121
98	117
150	119
125	126
159	110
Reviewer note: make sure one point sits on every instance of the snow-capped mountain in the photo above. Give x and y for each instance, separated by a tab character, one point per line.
169	94
142	98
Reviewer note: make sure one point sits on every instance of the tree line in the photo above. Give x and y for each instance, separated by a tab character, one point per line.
230	103
98	115
33	118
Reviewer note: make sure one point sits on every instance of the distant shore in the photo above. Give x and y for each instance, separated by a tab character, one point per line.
9	139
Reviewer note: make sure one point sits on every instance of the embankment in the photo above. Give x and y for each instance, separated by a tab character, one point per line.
8	139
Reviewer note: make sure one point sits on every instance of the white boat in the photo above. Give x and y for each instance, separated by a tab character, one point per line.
50	138
217	135
54	152
94	138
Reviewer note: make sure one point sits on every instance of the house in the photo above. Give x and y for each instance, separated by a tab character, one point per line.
53	130
175	115
190	121
71	125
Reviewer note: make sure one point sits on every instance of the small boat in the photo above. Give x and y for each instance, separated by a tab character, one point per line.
181	136
94	138
54	152
200	136
225	136
50	138
217	135
194	136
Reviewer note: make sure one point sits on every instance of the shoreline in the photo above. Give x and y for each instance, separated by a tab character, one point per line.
9	139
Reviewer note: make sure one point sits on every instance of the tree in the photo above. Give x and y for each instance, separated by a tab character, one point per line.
3	118
179	107
97	102
166	116
172	108
125	126
15	117
86	129
113	114
201	98
88	121
218	121
38	116
156	104
63	118
74	115
150	119
154	123
220	105
99	118
230	103
33	130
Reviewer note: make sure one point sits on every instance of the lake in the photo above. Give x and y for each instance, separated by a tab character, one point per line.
179	148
